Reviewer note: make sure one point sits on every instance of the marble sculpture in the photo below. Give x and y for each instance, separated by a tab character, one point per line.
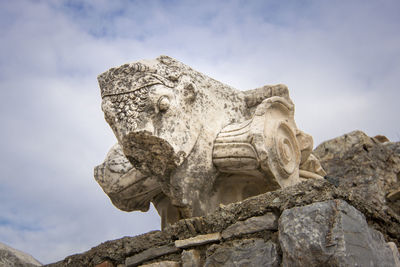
188	143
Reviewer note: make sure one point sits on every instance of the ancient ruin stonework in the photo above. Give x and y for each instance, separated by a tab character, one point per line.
371	165
188	143
340	220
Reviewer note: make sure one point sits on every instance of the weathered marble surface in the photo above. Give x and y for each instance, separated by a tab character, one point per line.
188	143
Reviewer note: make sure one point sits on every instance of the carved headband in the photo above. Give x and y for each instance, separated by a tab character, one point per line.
129	78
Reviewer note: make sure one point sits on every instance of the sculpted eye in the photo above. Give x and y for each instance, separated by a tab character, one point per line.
163	103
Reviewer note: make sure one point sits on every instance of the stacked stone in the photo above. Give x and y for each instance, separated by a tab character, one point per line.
310	224
336	221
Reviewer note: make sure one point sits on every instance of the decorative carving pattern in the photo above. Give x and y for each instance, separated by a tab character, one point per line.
130	78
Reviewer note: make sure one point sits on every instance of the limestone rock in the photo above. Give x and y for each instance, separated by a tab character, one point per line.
366	165
247	252
105	264
192	258
331	233
394	195
188	143
198	240
396	254
10	257
268	221
339	146
150	254
162	264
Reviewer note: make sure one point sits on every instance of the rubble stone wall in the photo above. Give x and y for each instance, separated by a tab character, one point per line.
350	218
310	224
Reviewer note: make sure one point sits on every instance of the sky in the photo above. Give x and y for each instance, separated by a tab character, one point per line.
340	60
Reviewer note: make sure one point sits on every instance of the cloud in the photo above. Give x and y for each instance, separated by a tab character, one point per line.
340	60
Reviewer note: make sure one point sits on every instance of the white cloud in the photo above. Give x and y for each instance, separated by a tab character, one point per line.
340	59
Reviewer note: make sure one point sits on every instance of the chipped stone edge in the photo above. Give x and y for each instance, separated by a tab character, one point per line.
259	228
198	240
150	254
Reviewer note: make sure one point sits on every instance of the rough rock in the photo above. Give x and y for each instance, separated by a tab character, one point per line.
150	254
246	252
192	258
396	254
105	264
10	257
117	250
331	233
366	165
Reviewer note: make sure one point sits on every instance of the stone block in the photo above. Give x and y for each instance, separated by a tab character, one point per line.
394	195
105	264
198	240
331	233
162	264
396	254
191	258
246	252
269	221
150	254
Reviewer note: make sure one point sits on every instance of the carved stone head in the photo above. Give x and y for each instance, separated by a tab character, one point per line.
194	143
157	110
